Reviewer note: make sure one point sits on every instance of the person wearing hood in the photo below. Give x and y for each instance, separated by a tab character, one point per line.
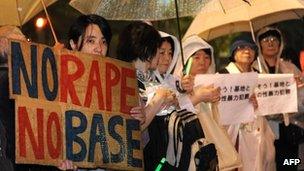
140	43
204	100
169	52
254	141
271	44
203	63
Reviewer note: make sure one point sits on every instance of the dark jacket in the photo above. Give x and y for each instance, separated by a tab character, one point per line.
7	130
6	124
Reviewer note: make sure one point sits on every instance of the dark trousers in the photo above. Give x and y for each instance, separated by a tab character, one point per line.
287	146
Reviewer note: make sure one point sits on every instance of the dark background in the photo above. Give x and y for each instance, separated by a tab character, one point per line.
62	15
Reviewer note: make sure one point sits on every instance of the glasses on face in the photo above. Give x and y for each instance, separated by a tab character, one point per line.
270	39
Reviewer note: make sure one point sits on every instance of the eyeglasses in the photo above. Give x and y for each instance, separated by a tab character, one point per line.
270	39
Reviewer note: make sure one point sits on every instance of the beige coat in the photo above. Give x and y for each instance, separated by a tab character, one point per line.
256	141
207	113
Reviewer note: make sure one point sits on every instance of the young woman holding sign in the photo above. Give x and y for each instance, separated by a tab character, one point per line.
88	34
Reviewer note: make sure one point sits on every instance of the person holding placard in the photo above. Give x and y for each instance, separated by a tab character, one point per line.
199	59
253	140
7	106
88	34
7	112
270	43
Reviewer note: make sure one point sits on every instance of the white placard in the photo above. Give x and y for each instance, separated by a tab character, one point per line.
234	106
276	93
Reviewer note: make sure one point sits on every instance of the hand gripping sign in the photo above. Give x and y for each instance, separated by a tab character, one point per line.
73	106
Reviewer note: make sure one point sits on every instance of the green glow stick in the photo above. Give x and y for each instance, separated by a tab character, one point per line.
160	165
188	67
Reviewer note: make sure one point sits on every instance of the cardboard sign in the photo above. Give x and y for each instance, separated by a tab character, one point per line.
276	93
236	89
74	106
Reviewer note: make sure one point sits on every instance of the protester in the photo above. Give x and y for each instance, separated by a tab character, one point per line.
139	43
169	52
89	34
254	141
271	43
203	148
201	52
7	107
7	119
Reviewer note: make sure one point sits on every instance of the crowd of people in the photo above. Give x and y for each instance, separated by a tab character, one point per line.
169	102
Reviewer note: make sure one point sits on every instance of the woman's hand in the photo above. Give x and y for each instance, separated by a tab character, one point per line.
167	97
138	113
208	93
253	100
58	46
4	46
299	81
187	83
162	98
67	165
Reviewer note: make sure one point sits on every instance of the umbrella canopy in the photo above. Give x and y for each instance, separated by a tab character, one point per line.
138	9
219	17
18	12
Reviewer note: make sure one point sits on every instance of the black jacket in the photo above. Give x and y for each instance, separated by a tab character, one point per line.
7	121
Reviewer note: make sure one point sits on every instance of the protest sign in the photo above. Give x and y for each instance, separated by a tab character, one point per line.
234	106
276	93
73	106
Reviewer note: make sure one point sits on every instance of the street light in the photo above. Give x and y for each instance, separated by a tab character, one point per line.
40	22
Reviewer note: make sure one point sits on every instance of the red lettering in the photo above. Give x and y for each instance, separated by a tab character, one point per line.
111	83
54	151
66	79
25	126
125	90
94	81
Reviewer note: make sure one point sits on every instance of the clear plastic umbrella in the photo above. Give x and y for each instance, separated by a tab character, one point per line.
138	9
141	9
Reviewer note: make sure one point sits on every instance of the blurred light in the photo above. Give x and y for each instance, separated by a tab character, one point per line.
40	22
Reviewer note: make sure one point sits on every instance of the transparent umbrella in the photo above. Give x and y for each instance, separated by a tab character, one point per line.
138	9
141	9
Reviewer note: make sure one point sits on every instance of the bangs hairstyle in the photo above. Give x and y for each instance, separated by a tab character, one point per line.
138	41
78	28
207	51
170	41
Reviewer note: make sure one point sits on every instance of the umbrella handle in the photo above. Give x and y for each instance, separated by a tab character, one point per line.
51	25
179	33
